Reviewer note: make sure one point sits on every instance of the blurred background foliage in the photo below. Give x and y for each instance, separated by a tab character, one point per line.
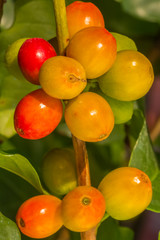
137	19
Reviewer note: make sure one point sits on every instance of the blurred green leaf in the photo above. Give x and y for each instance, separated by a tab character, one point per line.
159	236
110	229
8	229
143	156
20	166
146	9
8	15
126	233
6	126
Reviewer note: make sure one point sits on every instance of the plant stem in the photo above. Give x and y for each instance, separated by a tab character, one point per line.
79	146
61	25
81	162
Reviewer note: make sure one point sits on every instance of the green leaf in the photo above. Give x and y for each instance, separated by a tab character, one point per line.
20	166
8	229
143	156
159	236
155	203
145	9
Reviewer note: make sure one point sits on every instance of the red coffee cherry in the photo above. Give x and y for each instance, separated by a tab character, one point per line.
82	208
40	216
32	54
37	115
82	15
95	48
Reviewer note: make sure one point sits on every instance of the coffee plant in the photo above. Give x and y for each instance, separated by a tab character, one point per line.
79	119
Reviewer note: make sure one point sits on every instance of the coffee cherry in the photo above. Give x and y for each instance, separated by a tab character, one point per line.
40	216
81	15
124	42
11	58
89	117
127	192
37	115
95	48
82	208
32	54
59	170
122	110
62	77
130	77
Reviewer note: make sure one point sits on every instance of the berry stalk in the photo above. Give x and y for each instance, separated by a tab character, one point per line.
61	25
79	146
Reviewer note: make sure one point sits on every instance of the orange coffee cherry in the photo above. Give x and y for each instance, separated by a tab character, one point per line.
40	216
81	15
95	48
89	117
82	208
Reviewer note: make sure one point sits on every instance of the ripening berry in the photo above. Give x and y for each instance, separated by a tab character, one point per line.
82	208
130	77
59	170
37	115
11	58
40	216
81	15
89	117
62	77
95	48
32	54
127	192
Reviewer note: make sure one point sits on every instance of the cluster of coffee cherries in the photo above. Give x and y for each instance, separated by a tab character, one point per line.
123	74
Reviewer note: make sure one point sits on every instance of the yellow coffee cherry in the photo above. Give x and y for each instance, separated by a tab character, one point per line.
127	192
130	77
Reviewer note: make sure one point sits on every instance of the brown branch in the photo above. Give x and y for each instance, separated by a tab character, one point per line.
81	162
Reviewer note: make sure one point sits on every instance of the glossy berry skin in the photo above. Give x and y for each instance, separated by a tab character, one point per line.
59	170
127	192
40	216
62	77
37	115
130	77
89	117
32	54
95	48
82	208
81	15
